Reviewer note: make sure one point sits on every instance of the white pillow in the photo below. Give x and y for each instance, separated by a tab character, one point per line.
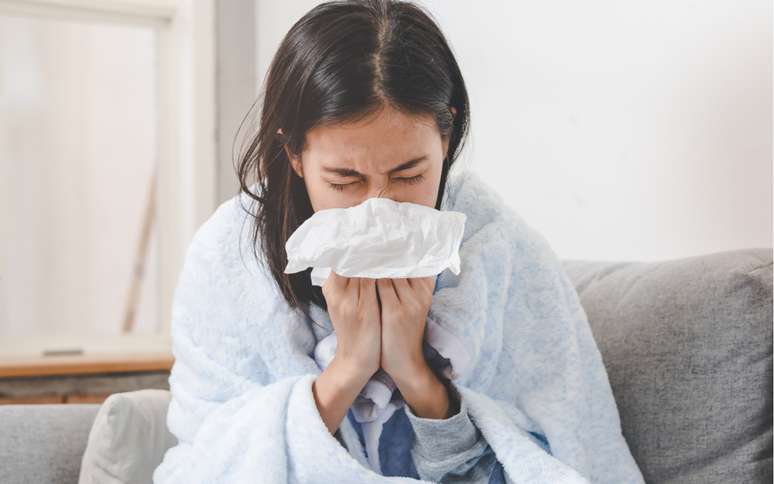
128	438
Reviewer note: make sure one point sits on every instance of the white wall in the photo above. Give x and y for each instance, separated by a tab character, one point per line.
620	130
237	85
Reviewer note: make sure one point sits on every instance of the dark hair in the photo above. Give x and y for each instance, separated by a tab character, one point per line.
339	63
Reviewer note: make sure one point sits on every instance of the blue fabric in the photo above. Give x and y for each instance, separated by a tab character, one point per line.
394	444
542	441
395	448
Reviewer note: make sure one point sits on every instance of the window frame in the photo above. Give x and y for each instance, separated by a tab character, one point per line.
186	185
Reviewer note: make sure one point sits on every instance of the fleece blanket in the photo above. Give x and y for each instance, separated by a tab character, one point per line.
242	406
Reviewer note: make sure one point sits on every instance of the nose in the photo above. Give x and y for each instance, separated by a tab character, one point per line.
379	190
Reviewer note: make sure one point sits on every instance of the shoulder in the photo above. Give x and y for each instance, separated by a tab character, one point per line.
223	266
224	305
220	234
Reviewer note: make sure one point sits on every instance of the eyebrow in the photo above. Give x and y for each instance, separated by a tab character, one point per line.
351	172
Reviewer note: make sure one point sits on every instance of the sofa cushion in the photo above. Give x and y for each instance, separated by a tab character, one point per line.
128	439
43	443
687	344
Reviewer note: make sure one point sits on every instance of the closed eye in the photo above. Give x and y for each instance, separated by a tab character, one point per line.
410	180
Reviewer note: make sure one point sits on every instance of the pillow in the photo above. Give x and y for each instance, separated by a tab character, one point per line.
128	438
687	344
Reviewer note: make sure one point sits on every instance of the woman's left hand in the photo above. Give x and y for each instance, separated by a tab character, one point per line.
405	303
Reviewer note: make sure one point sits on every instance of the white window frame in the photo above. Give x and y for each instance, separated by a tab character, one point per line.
187	177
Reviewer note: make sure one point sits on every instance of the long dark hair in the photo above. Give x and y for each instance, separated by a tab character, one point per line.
339	63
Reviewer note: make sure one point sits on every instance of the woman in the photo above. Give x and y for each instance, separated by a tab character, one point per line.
362	99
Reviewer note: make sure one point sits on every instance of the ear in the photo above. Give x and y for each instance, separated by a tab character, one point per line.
295	163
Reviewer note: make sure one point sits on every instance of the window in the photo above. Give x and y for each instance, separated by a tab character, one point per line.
107	159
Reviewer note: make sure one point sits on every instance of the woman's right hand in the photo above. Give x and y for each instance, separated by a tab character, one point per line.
354	311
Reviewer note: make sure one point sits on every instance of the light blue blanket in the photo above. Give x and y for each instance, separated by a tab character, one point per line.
242	406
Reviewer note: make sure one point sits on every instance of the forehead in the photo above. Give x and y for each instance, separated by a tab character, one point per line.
387	133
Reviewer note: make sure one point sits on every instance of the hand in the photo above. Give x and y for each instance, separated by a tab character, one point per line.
354	312
405	303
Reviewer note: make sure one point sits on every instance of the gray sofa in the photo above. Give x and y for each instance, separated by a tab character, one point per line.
688	348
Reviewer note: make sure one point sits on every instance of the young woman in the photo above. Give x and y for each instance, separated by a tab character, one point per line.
365	99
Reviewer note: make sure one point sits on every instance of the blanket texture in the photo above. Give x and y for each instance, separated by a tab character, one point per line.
242	406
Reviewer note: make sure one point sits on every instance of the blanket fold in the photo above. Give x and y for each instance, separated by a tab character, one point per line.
242	406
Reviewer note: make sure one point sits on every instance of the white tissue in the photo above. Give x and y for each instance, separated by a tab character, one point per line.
380	238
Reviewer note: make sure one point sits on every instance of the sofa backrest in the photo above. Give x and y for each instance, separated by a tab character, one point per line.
687	344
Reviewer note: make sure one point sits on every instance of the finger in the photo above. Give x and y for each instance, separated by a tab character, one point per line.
420	282
376	293
387	291
353	284
430	283
361	288
332	283
337	281
403	289
367	291
430	287
422	285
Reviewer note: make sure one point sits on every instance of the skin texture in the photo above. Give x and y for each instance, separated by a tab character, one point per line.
373	147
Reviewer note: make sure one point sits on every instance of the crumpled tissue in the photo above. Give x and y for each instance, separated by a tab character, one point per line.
379	238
